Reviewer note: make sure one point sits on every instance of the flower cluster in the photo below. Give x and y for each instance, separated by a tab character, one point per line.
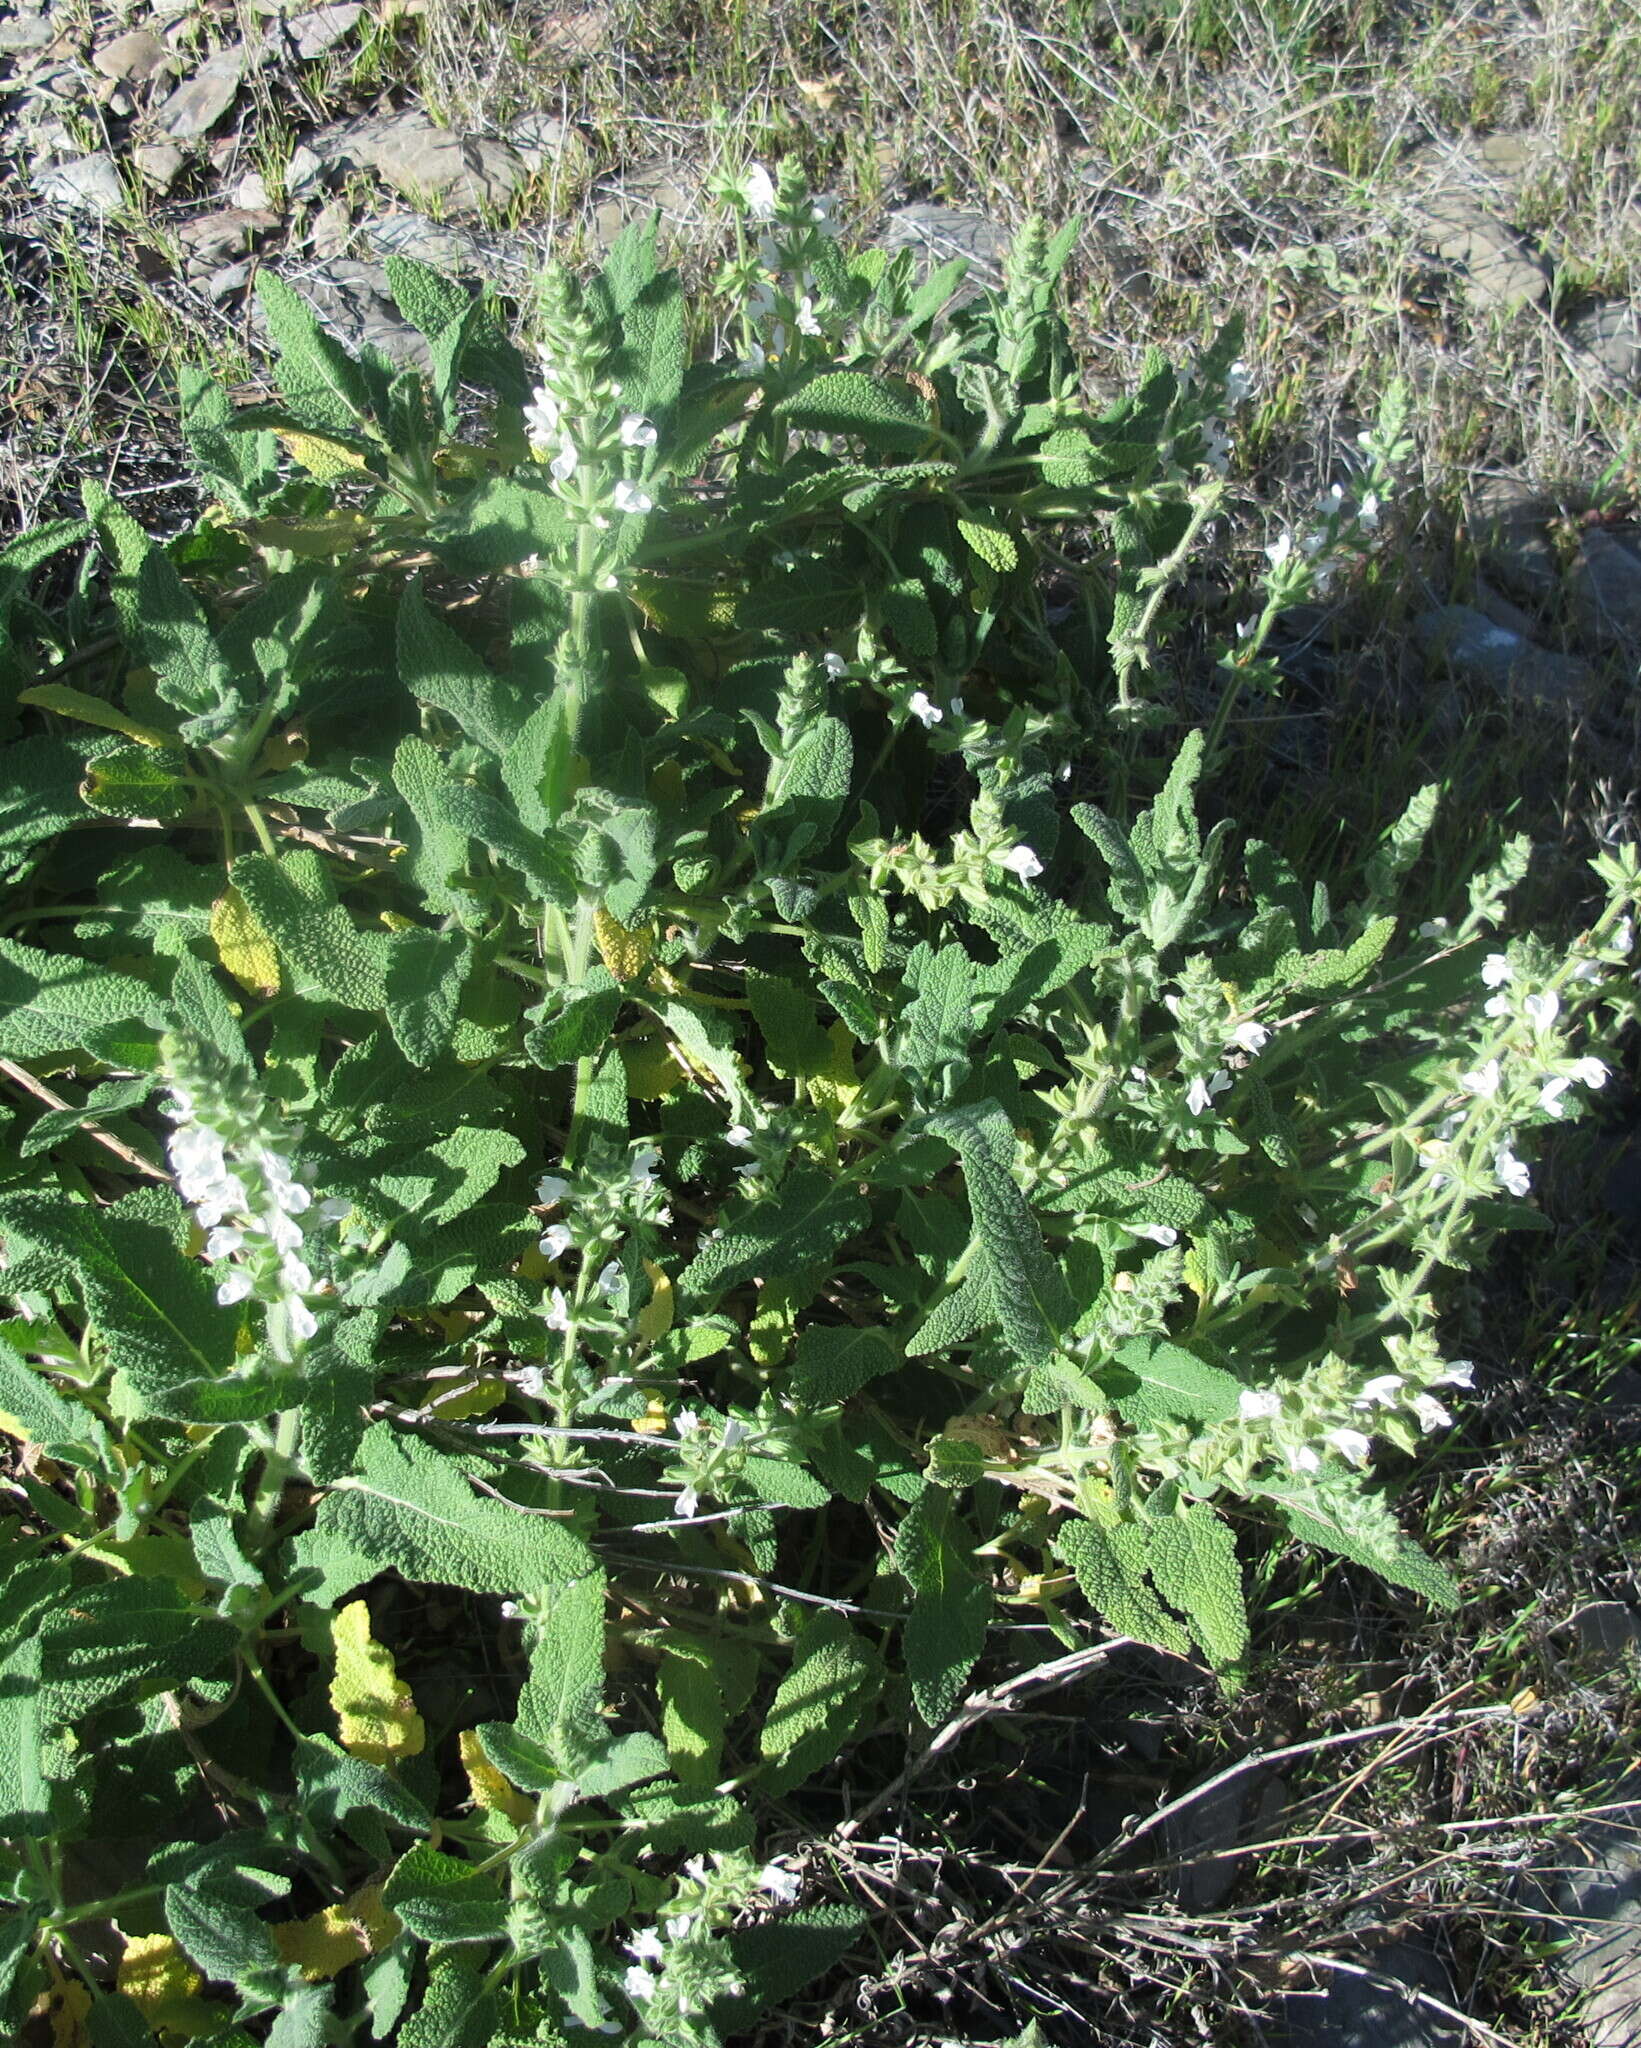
232	1160
779	287
575	422
678	1969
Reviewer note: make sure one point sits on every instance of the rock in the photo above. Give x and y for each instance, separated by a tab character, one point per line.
1507	522
1609	1631
90	184
20	32
354	301
331	232
423	161
213	237
1604	594
1203	1838
938	233
251	192
159	164
223	283
574	34
201	101
304	173
541	138
134	58
672	188
1610	336
1459	638
1381	2010
323	28
1595	1898
458	251
1500	274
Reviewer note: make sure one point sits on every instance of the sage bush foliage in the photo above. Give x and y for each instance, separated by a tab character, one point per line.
609	1169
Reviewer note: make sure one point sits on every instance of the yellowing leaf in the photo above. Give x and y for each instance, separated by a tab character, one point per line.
378	1717
320	456
156	1976
70	2002
490	1789
651	1069
244	945
318	539
625	953
324	1944
838	1085
89	710
655	1318
475	1397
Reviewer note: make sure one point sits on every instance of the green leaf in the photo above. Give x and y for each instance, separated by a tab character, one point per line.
426	973
39	795
1335	1514
52	1003
320	381
243	469
1110	1565
1172	1382
444	314
992	542
412	1509
1193	1566
213	1914
539	857
970	1307
436	846
456	2010
1033	1304
136	782
441	1898
937	1027
775	1959
558	1706
1316	973
32	1408
820	1703
889	419
441	669
23	1793
795	1042
127	1641
328	958
574	1023
803	1223
334	1786
654	347
503	521
946	1629
832	1362
703	1682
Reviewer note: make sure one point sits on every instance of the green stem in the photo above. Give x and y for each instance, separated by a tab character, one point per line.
276	1469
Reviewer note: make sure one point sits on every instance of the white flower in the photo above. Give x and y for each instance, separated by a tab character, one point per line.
1258	1404
1021	861
1549	1096
637	432
638	1984
834	665
1483	1081
1433	928
1279	550
334	1209
688	1501
1544	1009
758	190
1496	970
753	363
642	1170
610	1279
297	1277
1199	1097
1158	1233
236	1287
1497	1006
1301	1457
532	1381
686	1422
1368	512
541	417
923	709
557	1312
679	1925
550	1189
1591	1071
223	1242
1383	1391
304	1323
1623	938
1461	1372
562	466
1513	1175
628	497
782	1885
647	1948
735	1432
556	1240
807	323
1587	971
1251	1037
738	1135
1351	1444
1238	382
1430	1412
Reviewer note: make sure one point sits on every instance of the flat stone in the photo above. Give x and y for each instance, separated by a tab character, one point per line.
671	188
223	283
573	34
213	237
1610	337
1500	274
1609	1630
134	58
332	230
159	164
423	161
938	233
1381	2010
458	251
20	32
1604	594
201	101
322	28
304	173
355	303
1464	641
542	138
1507	521
1594	1888
90	184
251	192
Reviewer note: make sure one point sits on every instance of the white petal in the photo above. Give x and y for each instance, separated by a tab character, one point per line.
235	1287
1258	1404
1495	970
